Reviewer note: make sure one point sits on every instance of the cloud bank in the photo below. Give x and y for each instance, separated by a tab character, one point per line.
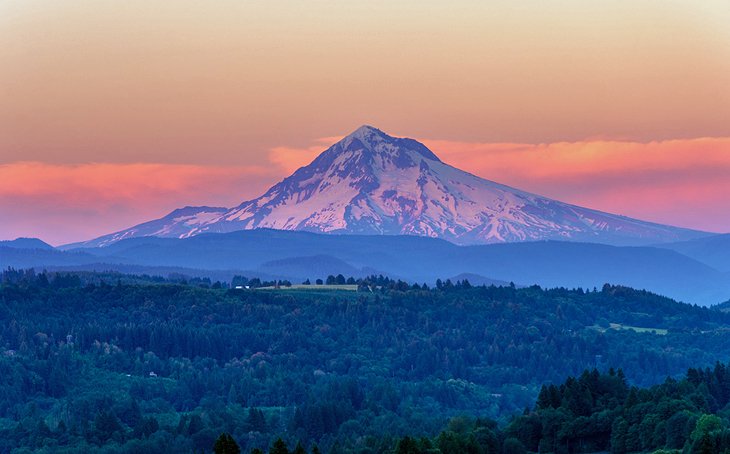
679	182
63	203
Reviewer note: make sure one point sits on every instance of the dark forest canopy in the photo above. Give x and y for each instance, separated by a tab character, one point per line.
600	412
124	363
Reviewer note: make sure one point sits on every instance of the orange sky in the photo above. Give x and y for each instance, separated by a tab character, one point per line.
610	99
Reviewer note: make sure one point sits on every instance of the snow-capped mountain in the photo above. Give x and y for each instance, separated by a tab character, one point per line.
372	183
181	223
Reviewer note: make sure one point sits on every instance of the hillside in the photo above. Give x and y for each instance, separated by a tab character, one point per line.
548	263
712	250
161	364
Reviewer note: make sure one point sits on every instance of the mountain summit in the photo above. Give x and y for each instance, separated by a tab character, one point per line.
372	183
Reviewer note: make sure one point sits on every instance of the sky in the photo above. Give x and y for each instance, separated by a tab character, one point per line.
114	113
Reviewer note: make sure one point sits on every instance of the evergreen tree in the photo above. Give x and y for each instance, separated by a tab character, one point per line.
196	424
225	444
256	420
106	425
407	445
279	447
513	446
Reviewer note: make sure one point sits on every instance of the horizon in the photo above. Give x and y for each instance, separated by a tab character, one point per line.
114	115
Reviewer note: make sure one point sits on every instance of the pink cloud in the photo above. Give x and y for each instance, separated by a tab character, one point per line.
290	159
63	203
680	182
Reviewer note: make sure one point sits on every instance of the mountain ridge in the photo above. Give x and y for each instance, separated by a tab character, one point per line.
26	243
423	259
373	183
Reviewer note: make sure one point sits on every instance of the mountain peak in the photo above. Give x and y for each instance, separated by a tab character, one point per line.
372	183
369	136
366	132
376	141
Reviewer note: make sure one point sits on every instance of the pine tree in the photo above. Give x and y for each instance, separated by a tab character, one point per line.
256	420
225	444
279	447
543	399
407	445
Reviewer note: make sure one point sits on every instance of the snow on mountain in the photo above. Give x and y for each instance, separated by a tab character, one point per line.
372	183
181	223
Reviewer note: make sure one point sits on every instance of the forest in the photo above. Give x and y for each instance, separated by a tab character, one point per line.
600	412
105	362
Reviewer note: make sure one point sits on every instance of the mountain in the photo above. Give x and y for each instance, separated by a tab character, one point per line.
311	267
298	255
713	250
26	243
372	183
180	223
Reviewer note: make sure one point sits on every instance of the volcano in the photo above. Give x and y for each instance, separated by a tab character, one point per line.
372	183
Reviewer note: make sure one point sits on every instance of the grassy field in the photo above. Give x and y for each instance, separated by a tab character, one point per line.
616	326
638	329
349	288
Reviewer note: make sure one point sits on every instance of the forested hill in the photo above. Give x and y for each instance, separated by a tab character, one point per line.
123	363
600	412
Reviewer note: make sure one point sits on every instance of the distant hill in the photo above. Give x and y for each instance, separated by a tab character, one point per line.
420	259
712	250
308	267
32	257
26	243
